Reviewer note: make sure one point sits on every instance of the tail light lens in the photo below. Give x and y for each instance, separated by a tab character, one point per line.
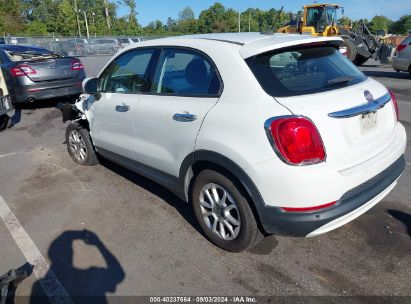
77	65
22	70
309	209
296	140
401	47
395	104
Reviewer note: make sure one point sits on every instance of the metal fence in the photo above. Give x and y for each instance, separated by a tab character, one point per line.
75	46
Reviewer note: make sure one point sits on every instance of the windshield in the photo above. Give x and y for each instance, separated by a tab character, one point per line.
322	16
304	70
331	12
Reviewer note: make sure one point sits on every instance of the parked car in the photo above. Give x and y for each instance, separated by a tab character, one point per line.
35	74
262	134
402	59
124	42
102	46
19	41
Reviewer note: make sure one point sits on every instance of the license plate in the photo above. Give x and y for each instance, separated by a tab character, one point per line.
368	122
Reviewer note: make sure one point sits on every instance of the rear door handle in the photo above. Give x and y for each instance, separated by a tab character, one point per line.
122	108
184	117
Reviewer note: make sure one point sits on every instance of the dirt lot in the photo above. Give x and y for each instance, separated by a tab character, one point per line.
142	240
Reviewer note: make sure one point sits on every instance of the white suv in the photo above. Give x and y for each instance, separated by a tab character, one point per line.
262	134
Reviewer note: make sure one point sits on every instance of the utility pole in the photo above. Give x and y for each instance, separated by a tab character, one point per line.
85	18
249	22
107	14
78	20
239	21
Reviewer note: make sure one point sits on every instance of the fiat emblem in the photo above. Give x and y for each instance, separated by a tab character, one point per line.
368	96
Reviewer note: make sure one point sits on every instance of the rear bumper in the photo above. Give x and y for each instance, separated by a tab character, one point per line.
351	205
46	90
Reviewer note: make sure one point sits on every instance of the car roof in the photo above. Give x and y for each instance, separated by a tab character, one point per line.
248	44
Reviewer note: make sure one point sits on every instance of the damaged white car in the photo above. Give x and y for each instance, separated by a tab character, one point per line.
262	134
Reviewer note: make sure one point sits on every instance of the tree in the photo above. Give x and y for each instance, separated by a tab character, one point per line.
402	26
11	19
345	21
379	23
186	14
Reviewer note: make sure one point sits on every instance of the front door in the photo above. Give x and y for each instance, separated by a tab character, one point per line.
121	84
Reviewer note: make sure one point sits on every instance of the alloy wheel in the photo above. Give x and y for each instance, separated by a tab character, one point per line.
220	211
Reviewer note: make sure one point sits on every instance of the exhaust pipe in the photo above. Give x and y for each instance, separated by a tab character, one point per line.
30	100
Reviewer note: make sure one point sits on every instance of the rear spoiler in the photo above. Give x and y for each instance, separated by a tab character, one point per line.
279	41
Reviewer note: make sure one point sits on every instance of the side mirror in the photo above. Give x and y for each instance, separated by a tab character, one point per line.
90	86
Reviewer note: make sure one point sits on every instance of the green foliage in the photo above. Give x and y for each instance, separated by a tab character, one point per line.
345	21
186	14
58	17
11	19
402	26
379	23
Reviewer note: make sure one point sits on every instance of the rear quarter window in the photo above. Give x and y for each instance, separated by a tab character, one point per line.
304	70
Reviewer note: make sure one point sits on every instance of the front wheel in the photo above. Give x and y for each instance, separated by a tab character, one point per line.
79	145
409	71
223	212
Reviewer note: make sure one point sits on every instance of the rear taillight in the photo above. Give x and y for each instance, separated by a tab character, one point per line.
309	209
401	47
22	70
77	65
395	104
296	140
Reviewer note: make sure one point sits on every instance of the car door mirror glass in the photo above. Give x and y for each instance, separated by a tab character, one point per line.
90	86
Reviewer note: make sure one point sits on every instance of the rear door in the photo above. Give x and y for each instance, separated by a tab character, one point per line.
167	121
321	84
121	84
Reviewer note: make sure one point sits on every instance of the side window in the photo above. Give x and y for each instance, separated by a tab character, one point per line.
185	73
127	73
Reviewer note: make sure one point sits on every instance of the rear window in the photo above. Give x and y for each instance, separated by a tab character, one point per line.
28	54
304	70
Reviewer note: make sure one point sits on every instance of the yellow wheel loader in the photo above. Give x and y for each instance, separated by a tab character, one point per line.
321	20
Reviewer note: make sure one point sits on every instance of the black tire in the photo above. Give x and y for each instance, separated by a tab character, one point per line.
409	71
351	49
81	149
360	60
249	233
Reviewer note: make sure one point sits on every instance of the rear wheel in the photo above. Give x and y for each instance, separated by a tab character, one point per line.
79	145
223	212
409	71
351	49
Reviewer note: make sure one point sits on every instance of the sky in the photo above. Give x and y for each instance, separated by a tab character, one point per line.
150	10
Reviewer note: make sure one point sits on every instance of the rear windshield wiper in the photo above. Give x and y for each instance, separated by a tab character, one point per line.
340	80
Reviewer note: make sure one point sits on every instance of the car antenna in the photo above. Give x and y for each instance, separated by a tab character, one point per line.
271	31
